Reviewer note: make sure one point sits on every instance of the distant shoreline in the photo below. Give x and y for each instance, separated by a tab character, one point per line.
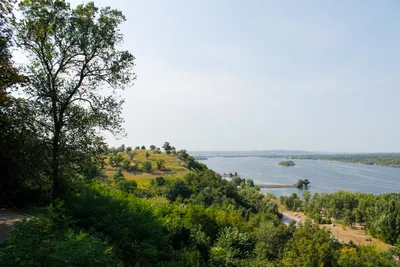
391	160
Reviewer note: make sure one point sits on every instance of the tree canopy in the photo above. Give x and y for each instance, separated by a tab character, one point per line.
73	58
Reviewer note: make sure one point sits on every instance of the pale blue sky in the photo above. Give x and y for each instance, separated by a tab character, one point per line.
242	75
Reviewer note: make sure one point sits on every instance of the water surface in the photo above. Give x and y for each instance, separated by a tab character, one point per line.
325	176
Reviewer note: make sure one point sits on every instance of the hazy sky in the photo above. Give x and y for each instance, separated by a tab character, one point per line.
242	75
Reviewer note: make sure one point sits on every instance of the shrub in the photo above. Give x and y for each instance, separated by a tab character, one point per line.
160	164
178	188
128	186
125	220
158	181
38	242
147	166
131	155
126	165
118	176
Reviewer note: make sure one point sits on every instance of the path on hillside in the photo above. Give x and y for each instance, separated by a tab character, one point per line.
7	220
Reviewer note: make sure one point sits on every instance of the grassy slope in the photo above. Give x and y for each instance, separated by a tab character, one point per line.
174	168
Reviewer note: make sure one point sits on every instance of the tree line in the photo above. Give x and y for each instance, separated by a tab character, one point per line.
381	159
378	214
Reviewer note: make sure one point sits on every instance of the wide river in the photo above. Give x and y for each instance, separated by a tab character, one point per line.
325	176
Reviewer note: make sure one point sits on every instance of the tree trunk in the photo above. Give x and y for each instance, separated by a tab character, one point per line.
56	188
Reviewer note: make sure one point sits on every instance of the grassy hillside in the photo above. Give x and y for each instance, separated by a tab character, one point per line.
174	168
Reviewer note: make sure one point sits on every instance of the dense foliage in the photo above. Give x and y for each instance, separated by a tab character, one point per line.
201	220
379	214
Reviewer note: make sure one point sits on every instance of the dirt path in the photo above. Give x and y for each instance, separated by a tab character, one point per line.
7	220
341	232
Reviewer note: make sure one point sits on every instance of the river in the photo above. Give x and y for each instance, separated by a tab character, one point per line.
325	176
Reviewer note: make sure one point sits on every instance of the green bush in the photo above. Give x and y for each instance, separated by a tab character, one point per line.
160	164
127	186
124	219
39	242
158	181
147	166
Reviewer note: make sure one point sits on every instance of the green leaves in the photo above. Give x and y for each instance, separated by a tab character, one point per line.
38	242
74	56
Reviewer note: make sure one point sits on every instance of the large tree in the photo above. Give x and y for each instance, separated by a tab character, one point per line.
8	72
74	69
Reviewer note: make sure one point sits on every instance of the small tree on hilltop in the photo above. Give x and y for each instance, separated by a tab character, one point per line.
143	147
183	155
153	147
137	147
129	149
157	151
167	147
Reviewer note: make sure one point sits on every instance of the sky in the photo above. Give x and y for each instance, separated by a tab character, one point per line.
259	75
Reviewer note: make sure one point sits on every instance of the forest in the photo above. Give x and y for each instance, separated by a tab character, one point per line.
378	214
89	211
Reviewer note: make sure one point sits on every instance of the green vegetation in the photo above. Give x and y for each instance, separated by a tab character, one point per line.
302	183
378	214
138	168
381	159
109	206
288	163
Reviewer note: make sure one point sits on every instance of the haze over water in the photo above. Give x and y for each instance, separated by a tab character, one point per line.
325	176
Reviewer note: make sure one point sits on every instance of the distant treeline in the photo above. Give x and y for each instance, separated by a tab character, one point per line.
391	160
381	159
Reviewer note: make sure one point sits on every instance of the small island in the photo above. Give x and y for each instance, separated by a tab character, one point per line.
288	163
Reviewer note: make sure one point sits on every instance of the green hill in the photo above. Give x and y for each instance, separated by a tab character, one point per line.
173	167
